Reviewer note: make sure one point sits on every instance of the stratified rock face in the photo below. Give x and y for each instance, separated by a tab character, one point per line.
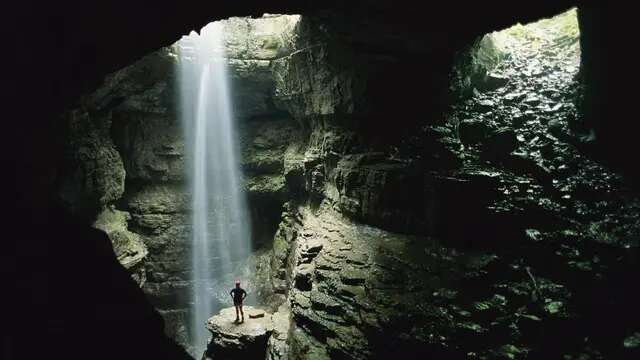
159	213
358	289
481	234
308	85
127	245
376	189
359	292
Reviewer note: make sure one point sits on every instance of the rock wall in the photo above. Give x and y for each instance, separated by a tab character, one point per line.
470	228
482	233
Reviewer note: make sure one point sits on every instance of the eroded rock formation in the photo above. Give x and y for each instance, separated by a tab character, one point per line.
481	234
472	228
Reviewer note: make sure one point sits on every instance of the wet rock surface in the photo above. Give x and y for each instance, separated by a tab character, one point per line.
365	282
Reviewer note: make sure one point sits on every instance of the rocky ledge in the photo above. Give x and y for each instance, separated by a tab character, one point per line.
260	334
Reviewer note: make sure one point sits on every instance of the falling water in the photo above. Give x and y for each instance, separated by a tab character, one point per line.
220	231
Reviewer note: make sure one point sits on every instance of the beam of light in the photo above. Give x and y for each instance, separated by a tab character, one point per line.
220	222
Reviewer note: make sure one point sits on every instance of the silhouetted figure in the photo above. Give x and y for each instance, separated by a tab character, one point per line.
238	294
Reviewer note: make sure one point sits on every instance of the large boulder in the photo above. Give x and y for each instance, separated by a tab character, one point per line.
239	340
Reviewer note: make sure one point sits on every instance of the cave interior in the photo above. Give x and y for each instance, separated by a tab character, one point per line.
450	182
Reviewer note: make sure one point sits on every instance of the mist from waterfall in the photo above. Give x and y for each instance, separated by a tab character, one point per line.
220	222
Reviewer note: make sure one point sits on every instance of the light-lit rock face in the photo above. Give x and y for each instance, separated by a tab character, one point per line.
127	245
434	244
354	281
252	46
127	158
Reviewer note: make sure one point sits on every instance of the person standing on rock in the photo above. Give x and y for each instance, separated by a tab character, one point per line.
238	294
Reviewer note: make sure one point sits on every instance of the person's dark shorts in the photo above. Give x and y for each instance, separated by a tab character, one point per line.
237	302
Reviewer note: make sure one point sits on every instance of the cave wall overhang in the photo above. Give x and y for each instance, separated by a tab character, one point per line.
85	41
88	46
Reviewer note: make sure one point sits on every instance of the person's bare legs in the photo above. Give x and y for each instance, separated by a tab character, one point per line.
241	312
238	317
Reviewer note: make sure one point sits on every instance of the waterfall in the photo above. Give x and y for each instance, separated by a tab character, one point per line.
220	222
